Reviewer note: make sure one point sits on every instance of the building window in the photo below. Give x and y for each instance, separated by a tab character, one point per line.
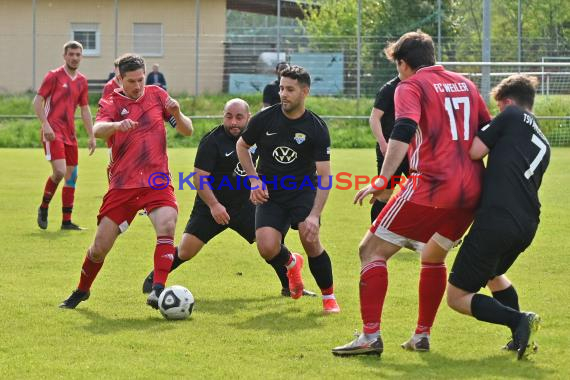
148	39
88	36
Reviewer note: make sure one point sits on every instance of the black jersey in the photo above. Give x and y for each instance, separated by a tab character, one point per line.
519	155
271	93
217	155
384	101
288	149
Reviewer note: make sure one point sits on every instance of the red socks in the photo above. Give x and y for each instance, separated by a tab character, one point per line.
163	258
433	279
49	190
373	288
89	271
67	196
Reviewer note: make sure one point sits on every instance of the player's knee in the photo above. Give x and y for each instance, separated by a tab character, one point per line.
268	249
168	228
58	175
98	251
72	180
452	298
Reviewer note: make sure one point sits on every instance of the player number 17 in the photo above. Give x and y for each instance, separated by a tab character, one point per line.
452	104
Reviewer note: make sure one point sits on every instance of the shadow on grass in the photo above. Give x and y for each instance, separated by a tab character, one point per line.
502	364
47	235
102	325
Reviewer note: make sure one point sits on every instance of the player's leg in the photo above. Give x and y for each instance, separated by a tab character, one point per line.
163	220
107	232
480	257
243	222
374	253
188	247
55	154
68	191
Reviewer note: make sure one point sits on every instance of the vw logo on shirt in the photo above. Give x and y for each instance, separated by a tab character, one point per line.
284	155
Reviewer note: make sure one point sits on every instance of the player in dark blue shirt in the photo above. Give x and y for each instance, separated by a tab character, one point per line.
508	215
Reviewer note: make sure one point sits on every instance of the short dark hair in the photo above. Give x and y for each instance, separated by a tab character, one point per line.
130	62
518	87
414	48
298	73
72	45
280	67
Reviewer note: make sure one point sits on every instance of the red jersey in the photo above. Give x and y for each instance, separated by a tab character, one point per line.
139	153
62	94
110	86
449	111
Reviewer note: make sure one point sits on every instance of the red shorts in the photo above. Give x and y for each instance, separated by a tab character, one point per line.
57	150
411	225
122	205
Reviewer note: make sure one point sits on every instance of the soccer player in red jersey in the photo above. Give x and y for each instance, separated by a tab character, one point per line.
62	90
132	122
438	113
112	83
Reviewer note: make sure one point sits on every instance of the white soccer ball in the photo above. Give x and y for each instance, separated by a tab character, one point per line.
176	302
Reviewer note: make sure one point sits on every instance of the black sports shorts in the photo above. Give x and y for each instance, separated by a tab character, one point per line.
202	225
403	169
489	249
284	209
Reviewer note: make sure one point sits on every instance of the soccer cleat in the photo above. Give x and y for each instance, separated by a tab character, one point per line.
330	306
418	342
74	299
42	218
361	346
295	280
70	226
147	283
285	292
512	346
524	334
152	299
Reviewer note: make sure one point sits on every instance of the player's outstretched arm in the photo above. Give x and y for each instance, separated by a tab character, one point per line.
105	129
183	122
88	125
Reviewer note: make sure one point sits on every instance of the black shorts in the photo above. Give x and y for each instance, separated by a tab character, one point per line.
202	225
403	169
284	209
489	249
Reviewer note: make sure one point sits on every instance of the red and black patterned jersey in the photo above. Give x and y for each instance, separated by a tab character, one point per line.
110	86
62	94
141	152
449	111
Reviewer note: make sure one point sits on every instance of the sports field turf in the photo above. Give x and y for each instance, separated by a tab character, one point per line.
241	327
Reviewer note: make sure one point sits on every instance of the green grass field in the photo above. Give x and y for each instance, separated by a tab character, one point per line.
241	327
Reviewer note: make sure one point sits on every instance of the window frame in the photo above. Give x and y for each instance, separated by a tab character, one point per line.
88	27
146	54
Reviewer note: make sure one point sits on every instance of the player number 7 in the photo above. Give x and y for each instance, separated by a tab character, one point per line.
542	146
452	104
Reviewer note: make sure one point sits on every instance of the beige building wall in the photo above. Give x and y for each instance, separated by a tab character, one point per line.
53	28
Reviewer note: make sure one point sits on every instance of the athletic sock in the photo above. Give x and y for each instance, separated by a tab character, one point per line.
67	197
376	209
177	260
321	269
488	309
433	279
163	258
49	190
283	257
281	273
509	298
373	288
89	272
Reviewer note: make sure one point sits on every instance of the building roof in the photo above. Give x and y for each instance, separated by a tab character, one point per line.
289	8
